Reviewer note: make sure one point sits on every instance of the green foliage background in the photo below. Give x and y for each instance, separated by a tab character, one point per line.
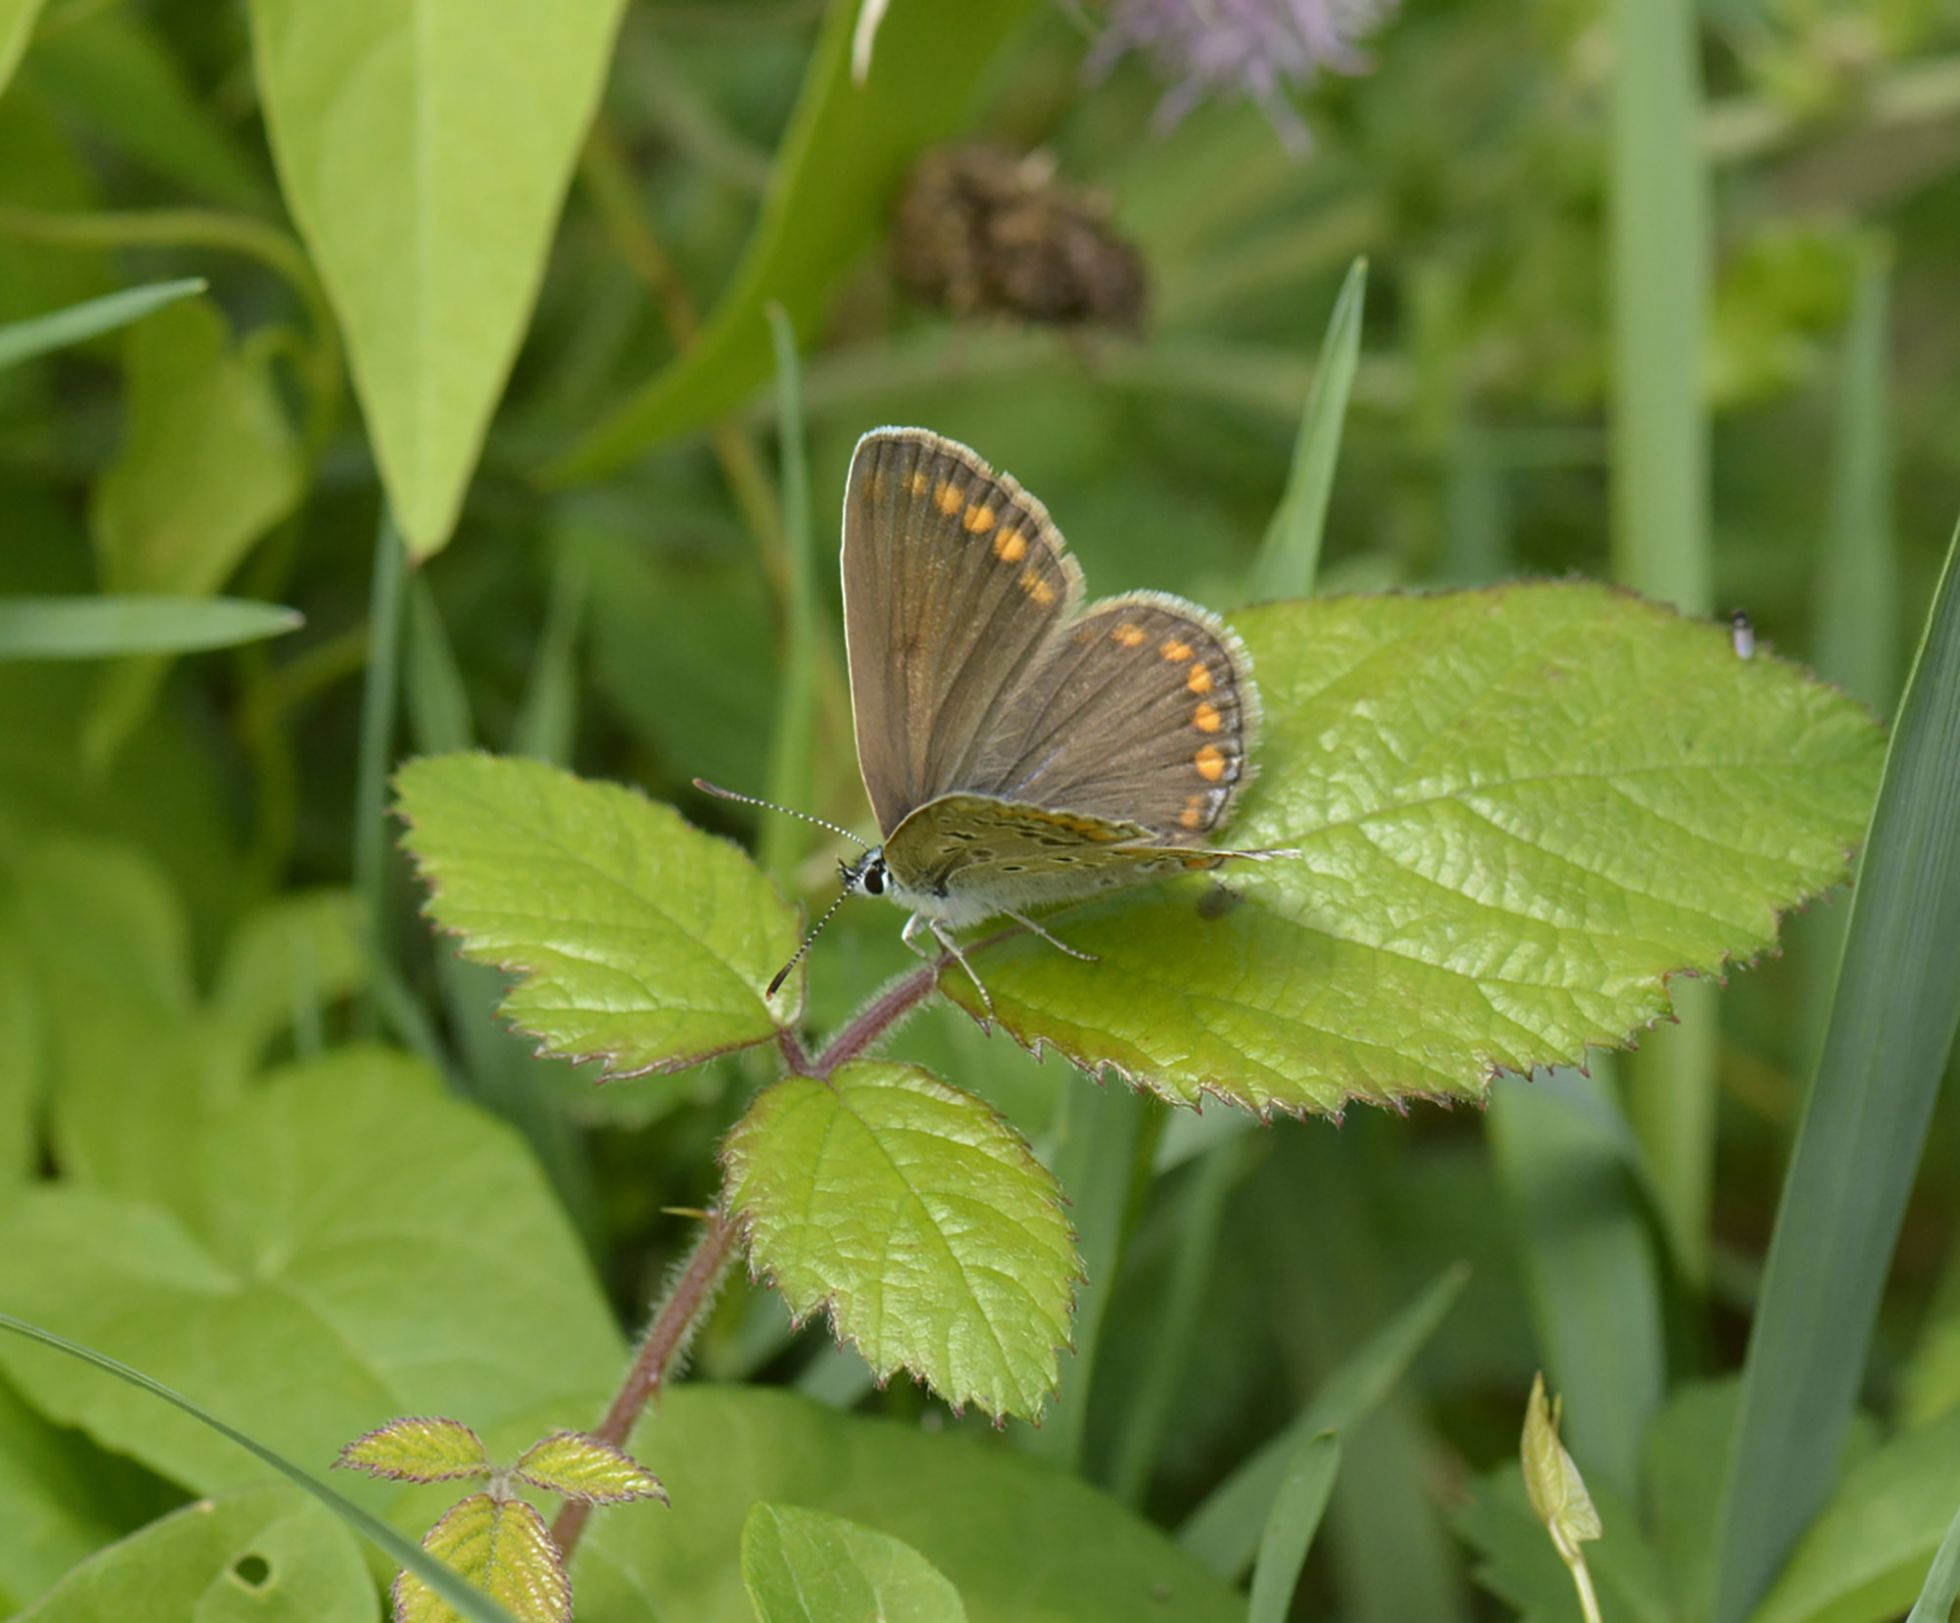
307	1172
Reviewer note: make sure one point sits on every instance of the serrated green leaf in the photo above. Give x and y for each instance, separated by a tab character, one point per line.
919	1220
582	1467
804	1566
1020	1541
504	1548
636	939
836	170
359	1245
419	1448
207	464
1864	1557
108	627
21	340
424	157
268	1554
1518	811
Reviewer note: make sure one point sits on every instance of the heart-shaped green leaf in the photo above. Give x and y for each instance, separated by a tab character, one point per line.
1517	812
264	1553
919	1219
806	1566
504	1548
359	1245
637	940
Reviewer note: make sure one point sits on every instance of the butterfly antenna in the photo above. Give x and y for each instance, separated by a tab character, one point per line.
797	956
720	793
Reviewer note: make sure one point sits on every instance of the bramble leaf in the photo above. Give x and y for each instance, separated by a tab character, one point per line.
919	1220
582	1467
1518	811
419	1448
806	1566
636	939
504	1548
424	156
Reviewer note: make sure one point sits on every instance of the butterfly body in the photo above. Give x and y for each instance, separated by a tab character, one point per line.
1019	749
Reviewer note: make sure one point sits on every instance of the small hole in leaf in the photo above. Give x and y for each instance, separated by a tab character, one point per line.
252	1571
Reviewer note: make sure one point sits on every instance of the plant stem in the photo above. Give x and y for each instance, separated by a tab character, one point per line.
877	1017
673	1326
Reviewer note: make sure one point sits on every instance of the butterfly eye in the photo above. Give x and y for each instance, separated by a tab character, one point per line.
874	879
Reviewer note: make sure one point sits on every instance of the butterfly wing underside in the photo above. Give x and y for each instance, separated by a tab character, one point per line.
1012	855
954	581
972	672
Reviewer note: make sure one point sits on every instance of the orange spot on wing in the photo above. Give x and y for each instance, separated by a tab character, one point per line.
1205	718
1199	680
979	519
1130	636
1010	546
1193	815
1210	762
1176	652
1036	587
917	483
948	500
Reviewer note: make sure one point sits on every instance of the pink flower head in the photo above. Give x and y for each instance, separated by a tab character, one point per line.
1255	47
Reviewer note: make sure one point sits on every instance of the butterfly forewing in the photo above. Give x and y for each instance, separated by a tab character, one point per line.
1142	709
954	582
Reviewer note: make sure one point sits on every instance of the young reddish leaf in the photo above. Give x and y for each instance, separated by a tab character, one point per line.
418	1448
504	1548
582	1467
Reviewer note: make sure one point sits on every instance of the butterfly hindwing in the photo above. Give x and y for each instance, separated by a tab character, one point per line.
954	581
1142	709
1015	855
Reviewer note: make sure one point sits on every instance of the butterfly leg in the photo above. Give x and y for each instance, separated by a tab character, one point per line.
1052	940
944	937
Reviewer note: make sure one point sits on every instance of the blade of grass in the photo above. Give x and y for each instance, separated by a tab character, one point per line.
59	329
1857	626
377	743
108	627
1864	1124
1289	557
438	704
1224	1530
1942	1586
1858	629
1297	1509
1201	1215
784	838
1590	1270
470	1601
1659	274
547	715
1104	1144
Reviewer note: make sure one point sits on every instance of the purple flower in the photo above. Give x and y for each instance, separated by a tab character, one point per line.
1256	47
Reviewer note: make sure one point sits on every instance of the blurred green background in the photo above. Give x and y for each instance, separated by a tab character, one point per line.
632	622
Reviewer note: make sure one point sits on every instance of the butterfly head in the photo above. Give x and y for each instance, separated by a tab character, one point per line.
868	875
